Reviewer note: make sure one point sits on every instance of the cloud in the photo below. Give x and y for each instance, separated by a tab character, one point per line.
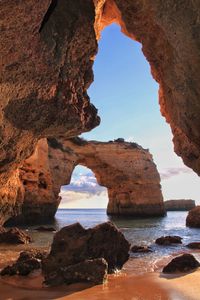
171	172
84	183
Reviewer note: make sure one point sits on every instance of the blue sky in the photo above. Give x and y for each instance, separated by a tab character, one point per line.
126	96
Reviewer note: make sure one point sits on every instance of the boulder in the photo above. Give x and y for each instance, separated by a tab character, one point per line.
141	249
73	245
14	236
168	240
43	229
182	263
93	271
27	262
193	217
194	245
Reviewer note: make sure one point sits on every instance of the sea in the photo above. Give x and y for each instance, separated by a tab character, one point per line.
137	231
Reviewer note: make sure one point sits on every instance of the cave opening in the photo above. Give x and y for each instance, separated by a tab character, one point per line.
126	96
83	191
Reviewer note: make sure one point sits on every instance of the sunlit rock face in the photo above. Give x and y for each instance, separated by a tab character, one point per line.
38	202
169	32
47	52
125	169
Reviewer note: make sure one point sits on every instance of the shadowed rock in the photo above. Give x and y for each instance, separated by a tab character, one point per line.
168	240
43	229
141	249
194	245
183	263
14	236
27	262
73	245
94	271
193	218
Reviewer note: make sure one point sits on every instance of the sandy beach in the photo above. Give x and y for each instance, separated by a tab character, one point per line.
122	286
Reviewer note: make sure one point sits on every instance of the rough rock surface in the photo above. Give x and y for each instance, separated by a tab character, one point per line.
193	217
125	169
179	204
168	240
182	263
47	51
36	179
194	245
14	236
141	249
93	271
73	245
27	262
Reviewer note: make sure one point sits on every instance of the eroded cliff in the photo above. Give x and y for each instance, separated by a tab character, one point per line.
125	169
47	52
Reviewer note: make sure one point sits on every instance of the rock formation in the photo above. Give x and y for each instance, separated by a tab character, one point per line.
183	263
125	169
14	236
27	262
169	240
74	248
193	217
179	204
47	53
194	245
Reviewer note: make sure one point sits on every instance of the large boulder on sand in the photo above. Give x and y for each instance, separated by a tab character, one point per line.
74	244
14	236
182	263
168	240
193	217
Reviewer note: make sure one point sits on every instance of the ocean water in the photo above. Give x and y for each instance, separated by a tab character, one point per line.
137	231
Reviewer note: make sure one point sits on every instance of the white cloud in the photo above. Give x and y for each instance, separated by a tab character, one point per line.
170	172
84	183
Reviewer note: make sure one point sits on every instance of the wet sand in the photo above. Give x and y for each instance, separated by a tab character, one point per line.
122	286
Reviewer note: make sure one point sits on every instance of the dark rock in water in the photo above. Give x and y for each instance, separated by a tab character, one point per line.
43	228
73	244
168	240
27	262
193	217
183	263
141	249
94	271
14	236
194	245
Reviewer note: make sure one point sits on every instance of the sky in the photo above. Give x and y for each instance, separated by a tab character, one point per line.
126	96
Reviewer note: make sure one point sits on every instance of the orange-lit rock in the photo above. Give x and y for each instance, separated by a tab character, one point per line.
125	169
47	52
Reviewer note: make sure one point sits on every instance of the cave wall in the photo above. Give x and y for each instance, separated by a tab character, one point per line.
125	169
47	53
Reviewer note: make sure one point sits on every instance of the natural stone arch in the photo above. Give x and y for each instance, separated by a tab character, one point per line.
47	57
125	169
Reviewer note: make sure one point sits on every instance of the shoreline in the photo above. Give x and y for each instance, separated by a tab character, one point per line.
121	286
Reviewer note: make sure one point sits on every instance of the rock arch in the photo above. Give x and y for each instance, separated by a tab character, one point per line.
125	169
46	68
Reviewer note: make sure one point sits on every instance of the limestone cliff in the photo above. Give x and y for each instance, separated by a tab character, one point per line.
125	169
47	52
179	204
